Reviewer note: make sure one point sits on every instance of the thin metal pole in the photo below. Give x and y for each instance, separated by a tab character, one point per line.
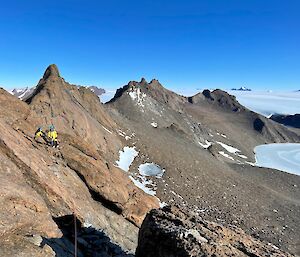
75	236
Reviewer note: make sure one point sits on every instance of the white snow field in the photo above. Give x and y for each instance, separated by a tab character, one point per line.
285	157
126	158
146	185
268	103
151	169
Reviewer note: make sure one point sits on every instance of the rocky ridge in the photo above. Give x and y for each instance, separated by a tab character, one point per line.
200	145
204	144
79	178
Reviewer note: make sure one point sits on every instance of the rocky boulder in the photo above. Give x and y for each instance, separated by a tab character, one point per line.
171	232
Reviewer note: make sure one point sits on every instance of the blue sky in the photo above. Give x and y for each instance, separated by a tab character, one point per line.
185	44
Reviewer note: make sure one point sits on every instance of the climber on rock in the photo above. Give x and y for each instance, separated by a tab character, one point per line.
52	135
40	133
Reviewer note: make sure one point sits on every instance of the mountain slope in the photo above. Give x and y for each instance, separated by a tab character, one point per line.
194	151
205	145
77	178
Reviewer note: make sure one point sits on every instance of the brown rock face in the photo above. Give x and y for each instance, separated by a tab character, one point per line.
39	183
89	142
173	232
52	71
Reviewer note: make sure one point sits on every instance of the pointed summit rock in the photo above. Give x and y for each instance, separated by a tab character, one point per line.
143	81
51	71
153	90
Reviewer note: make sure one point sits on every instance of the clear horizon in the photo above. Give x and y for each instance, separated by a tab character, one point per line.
186	46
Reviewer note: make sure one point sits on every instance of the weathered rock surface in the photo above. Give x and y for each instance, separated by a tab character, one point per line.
205	144
40	184
89	142
43	188
171	232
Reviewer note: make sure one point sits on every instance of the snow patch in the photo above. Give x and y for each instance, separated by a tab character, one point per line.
228	148
178	195
151	169
206	145
144	185
226	155
137	95
154	125
107	130
123	134
143	181
133	95
86	224
126	158
162	204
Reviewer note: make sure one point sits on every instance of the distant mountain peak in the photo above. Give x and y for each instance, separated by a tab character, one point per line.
97	90
222	99
22	93
241	89
51	71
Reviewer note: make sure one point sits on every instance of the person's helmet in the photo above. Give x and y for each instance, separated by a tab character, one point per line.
40	129
51	127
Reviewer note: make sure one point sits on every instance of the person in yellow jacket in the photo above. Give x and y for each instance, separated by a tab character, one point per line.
40	133
52	135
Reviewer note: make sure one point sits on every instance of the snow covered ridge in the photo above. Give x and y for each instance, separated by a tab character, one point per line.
22	93
285	157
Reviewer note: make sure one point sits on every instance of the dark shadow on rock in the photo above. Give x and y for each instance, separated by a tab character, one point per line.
90	242
258	125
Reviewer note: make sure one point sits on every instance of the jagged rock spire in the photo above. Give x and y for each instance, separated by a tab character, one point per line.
143	81
52	70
